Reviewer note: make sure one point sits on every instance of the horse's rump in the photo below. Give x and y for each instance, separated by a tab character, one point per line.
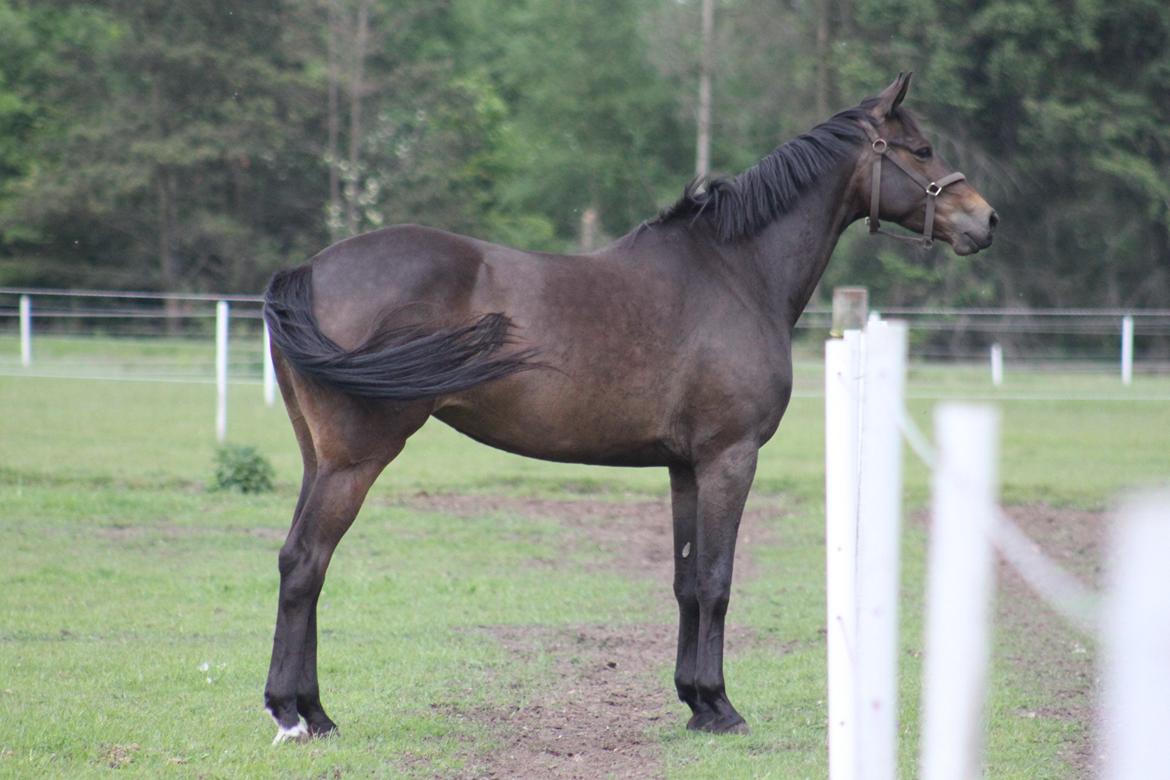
397	363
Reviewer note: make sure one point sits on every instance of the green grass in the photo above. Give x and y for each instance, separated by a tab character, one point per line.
123	577
95	356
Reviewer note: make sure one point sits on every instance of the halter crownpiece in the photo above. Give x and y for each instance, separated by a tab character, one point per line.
933	189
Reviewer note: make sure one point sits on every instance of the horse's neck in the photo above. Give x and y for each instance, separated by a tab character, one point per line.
795	249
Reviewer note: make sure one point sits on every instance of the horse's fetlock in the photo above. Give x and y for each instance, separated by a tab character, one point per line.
687	690
282	708
710	688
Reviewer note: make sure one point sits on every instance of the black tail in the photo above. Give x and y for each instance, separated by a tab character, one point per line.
396	363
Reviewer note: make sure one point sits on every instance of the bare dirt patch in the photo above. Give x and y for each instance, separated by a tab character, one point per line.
597	721
632	538
118	756
597	712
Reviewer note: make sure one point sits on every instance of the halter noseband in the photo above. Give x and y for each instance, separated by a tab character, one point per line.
933	189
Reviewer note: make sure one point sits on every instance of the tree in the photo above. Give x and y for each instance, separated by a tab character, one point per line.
591	123
170	148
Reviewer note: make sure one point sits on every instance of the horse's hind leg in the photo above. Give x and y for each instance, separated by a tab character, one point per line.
327	513
308	691
349	454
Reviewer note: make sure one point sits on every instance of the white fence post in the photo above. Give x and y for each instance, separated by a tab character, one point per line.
269	369
1127	349
1135	636
221	369
25	331
842	400
959	592
879	539
996	364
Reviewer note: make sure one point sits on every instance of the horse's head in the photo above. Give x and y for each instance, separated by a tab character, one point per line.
919	191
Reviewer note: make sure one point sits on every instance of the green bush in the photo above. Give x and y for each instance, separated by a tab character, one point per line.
242	468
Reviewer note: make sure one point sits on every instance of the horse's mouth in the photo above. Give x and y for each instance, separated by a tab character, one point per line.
968	244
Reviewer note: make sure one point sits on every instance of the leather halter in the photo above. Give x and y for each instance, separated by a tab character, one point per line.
933	189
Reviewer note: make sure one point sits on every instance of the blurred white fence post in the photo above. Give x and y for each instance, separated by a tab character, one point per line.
1135	636
221	369
269	369
960	584
1127	349
25	331
879	539
842	410
996	364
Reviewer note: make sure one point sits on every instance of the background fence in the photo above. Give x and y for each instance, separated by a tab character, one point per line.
115	334
127	335
221	339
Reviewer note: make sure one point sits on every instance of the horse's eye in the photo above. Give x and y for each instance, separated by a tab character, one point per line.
924	153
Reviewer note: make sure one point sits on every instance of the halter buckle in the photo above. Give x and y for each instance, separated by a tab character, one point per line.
880	146
933	190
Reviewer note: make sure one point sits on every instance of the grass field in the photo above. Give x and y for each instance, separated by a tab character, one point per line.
137	606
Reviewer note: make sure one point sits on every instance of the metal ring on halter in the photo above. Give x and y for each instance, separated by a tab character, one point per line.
883	145
933	190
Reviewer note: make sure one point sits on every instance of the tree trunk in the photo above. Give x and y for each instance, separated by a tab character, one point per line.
360	43
164	217
334	119
589	220
703	139
168	271
821	98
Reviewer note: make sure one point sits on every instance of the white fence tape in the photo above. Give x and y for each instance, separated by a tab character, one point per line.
1133	624
1135	706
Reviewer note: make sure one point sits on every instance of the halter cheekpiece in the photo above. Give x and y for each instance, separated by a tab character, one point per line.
933	189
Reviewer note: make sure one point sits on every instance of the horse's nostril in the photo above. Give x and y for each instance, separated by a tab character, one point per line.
993	220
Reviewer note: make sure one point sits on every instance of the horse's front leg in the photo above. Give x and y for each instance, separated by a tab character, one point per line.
684	497
723	482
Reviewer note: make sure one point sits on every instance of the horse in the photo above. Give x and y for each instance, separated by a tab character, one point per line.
670	347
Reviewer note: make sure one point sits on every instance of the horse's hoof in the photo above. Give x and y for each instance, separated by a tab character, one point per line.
298	733
714	723
699	720
731	724
323	730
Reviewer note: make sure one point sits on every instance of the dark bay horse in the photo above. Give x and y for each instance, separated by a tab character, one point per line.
671	347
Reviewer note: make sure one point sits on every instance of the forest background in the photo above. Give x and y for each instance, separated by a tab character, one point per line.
200	145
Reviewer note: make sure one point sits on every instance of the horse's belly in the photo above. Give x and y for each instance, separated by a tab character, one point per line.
617	429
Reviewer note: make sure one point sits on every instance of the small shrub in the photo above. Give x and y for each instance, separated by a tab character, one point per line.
242	468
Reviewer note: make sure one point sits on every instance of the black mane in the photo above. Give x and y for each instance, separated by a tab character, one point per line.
742	207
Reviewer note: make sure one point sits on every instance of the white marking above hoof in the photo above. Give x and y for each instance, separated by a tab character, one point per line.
298	733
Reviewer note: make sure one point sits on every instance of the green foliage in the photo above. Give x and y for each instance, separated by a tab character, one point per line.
200	145
242	468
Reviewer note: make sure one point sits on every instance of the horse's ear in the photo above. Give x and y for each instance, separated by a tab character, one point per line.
892	96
